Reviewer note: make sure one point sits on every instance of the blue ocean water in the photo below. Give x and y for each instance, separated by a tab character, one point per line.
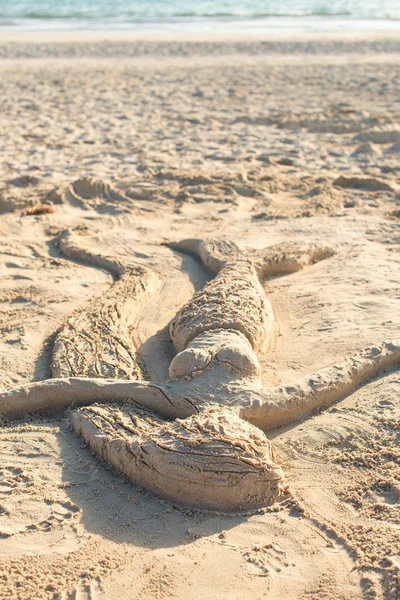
204	15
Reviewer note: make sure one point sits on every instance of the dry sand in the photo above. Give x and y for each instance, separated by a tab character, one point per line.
259	142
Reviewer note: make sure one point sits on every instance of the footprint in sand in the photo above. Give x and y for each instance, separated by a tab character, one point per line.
12	478
22	514
88	591
266	560
26	521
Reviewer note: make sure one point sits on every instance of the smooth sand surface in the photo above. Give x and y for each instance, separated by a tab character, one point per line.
260	143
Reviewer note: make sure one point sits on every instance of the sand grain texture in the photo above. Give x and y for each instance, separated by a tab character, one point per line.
135	147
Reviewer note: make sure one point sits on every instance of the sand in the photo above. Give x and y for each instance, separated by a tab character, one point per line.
124	148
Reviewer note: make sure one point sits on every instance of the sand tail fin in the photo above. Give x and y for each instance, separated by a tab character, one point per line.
214	254
289	257
73	246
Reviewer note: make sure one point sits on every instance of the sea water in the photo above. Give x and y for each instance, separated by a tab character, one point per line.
201	15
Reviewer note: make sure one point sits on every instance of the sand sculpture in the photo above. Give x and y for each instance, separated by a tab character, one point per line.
199	438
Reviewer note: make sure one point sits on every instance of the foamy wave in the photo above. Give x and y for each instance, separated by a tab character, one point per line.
160	13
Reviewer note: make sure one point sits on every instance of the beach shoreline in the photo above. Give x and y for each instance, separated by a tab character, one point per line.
77	35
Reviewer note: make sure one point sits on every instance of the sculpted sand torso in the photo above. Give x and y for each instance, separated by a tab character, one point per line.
199	438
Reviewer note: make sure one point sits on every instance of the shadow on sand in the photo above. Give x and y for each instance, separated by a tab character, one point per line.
125	513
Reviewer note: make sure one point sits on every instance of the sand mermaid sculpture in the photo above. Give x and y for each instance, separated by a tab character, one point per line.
198	439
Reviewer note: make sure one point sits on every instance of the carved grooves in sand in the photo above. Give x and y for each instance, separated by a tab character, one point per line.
96	341
214	459
235	299
233	302
204	460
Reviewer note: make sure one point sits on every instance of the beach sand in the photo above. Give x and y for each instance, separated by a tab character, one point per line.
129	144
